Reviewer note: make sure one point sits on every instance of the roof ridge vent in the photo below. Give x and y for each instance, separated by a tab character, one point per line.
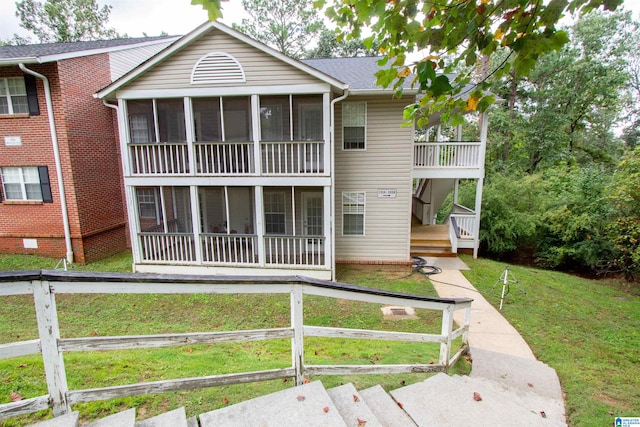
216	68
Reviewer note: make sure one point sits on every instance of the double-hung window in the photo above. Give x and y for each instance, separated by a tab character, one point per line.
354	125
353	204
13	96
26	184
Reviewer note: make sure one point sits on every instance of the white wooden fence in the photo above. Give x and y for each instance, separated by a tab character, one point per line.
293	158
45	285
462	226
449	154
159	159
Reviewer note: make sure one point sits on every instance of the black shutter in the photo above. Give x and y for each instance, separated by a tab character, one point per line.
45	184
0	188
32	94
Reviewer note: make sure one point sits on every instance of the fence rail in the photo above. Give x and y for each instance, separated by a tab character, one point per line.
449	154
292	158
224	158
159	159
44	285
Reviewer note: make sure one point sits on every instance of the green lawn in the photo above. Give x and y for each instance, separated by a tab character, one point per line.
588	330
106	315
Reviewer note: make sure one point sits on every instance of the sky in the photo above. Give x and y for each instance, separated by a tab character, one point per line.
175	17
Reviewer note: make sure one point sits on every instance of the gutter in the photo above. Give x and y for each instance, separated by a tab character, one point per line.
332	132
56	155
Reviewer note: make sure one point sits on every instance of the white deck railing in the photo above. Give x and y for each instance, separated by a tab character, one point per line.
45	285
159	159
447	154
292	158
224	158
293	250
233	249
167	247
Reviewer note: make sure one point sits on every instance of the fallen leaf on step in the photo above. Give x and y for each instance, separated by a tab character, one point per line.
543	414
300	398
325	409
306	381
476	396
361	422
530	385
14	396
225	401
400	405
356	398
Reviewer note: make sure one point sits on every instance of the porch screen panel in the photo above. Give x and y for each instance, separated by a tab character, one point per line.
177	205
141	123
241	210
236	113
274	118
171	124
213	210
207	119
307	118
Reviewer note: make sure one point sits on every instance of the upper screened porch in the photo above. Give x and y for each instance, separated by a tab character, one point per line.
257	135
450	152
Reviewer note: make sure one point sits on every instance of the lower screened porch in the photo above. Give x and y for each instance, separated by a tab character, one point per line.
231	227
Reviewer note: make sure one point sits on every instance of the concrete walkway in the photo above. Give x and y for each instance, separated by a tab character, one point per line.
498	351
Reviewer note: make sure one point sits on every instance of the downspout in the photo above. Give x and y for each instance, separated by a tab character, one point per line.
332	131
56	155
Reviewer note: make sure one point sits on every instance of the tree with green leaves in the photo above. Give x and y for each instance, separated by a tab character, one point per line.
289	26
330	45
60	21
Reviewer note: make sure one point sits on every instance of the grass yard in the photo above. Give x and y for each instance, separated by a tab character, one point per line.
108	315
588	330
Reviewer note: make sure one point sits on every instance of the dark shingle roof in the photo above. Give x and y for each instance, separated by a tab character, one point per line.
52	49
357	72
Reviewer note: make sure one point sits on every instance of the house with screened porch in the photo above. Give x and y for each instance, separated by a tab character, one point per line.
240	160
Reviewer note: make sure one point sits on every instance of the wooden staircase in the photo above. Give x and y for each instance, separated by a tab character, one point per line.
430	240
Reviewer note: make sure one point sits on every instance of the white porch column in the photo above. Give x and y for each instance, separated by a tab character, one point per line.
456	189
195	221
134	226
327	228
259	199
188	118
123	132
478	208
255	118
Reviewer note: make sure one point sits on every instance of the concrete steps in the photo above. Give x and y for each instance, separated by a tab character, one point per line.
438	401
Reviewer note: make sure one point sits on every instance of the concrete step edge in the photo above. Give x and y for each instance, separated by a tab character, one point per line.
352	406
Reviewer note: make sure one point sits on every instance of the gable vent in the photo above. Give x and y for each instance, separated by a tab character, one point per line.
217	67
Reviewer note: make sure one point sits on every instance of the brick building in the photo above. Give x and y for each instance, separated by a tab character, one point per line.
61	191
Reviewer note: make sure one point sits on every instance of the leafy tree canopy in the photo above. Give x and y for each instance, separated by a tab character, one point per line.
330	45
454	32
286	25
59	21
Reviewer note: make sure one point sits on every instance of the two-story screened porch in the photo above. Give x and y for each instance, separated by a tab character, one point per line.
227	228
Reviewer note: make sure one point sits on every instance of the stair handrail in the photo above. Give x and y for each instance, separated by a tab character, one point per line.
45	284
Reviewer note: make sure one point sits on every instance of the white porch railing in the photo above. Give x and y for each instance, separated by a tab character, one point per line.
224	158
294	250
292	158
45	285
447	154
167	247
233	249
462	225
159	159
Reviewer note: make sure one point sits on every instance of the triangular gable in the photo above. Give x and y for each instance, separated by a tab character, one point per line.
191	48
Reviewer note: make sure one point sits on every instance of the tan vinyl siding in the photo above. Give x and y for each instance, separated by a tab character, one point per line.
259	67
384	164
122	61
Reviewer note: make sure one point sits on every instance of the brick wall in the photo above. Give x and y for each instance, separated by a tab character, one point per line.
90	162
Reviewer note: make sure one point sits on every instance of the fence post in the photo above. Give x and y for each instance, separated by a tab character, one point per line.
467	324
447	329
297	344
49	330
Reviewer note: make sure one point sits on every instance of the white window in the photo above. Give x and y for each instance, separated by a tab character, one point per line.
21	183
274	212
147	203
353	204
354	124
13	96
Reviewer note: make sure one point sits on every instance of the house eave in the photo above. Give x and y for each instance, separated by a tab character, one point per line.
187	39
